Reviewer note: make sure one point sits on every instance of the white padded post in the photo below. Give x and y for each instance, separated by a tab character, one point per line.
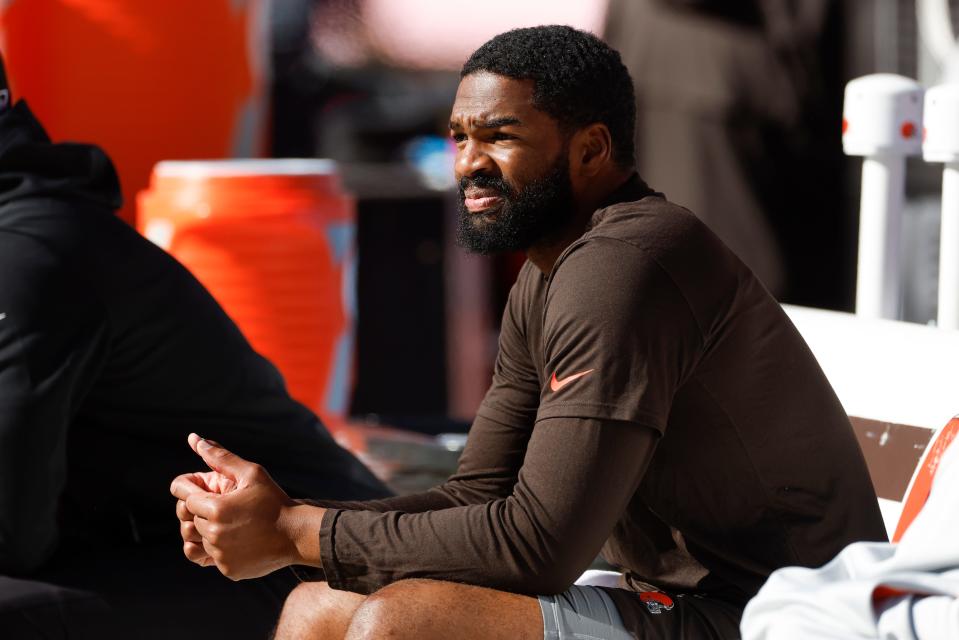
941	144
882	121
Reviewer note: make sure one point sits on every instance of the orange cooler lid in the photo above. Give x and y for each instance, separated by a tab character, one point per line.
184	191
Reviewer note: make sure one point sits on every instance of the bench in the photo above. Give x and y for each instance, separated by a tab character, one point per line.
897	382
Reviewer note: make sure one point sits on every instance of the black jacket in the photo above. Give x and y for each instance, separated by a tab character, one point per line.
110	354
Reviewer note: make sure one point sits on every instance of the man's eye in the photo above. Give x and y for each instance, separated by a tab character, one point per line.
499	135
458	137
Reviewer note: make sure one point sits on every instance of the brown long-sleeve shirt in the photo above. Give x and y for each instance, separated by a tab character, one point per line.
650	400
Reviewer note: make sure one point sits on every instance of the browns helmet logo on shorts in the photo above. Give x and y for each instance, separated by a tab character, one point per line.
656	601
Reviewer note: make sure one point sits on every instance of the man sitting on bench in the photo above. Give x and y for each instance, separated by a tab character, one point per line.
650	401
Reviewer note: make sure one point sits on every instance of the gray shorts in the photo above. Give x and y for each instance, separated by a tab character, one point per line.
582	613
593	613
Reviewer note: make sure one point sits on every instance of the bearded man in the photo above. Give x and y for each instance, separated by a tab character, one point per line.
650	402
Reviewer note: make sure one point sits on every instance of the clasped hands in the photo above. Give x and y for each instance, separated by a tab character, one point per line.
237	518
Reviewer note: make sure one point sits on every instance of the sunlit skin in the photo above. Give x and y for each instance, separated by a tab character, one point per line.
239	520
499	133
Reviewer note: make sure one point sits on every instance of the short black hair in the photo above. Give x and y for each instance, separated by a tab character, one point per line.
577	78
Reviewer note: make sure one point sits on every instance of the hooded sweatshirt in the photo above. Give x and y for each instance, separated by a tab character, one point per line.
111	353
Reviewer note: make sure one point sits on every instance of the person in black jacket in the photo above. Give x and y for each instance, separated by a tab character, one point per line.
108	347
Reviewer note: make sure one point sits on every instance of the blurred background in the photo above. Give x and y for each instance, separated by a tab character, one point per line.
739	114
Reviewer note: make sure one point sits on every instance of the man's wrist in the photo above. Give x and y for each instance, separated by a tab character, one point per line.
300	523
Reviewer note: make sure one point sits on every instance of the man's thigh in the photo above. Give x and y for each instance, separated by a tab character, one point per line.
430	609
427	609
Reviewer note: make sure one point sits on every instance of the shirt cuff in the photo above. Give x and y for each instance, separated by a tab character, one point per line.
331	567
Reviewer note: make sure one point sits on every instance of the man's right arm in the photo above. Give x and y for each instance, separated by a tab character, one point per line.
50	336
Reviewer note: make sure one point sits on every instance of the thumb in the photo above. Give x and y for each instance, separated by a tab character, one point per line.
218	458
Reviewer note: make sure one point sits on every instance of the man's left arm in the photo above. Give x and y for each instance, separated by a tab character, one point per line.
577	478
619	338
595	434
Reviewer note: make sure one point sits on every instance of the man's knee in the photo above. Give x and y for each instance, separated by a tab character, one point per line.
393	612
314	610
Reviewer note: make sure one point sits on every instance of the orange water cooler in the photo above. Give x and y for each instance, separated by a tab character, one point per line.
147	80
273	241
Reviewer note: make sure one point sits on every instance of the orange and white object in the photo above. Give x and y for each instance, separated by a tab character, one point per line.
273	241
146	80
882	121
922	481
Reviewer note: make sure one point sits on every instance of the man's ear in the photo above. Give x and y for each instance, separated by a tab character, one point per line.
592	149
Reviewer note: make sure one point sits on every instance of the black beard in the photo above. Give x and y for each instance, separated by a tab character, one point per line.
534	215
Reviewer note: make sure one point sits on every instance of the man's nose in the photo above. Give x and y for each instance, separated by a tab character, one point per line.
471	160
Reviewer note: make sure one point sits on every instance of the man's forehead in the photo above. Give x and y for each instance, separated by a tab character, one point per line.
486	97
